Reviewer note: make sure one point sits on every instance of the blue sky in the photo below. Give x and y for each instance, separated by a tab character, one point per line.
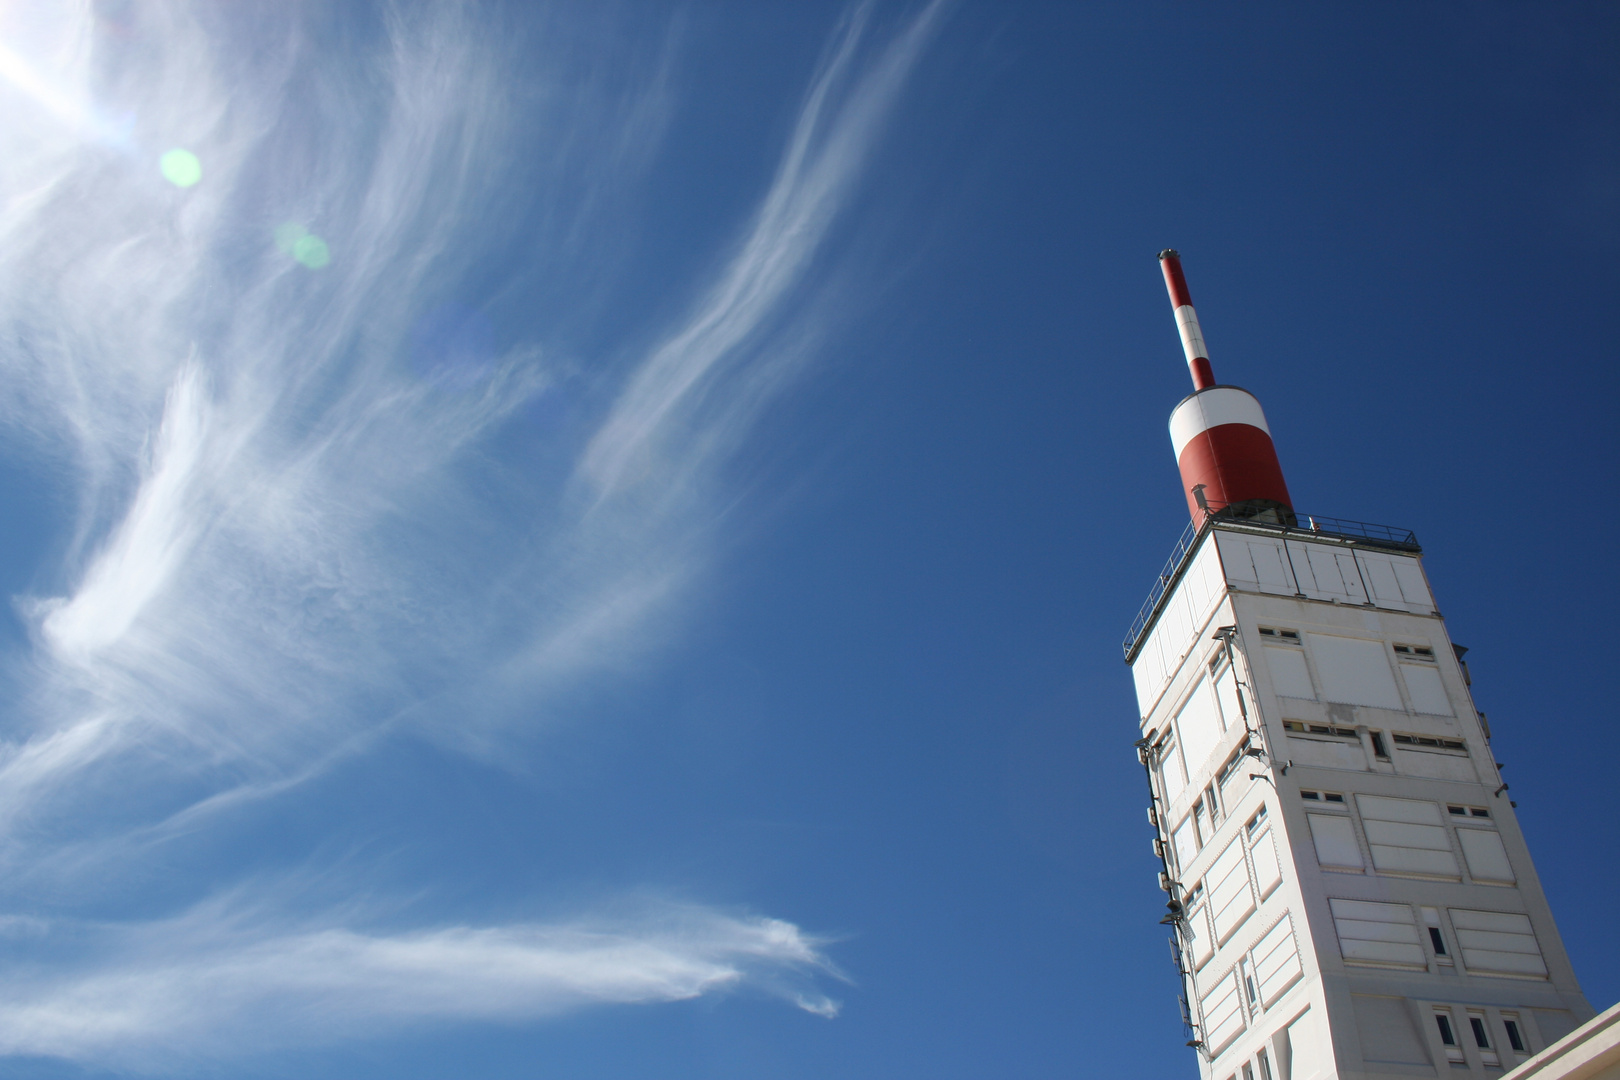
593	540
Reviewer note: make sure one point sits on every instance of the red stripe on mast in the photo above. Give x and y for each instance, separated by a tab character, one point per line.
1174	279
1192	337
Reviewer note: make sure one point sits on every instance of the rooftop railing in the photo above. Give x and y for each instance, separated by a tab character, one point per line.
1309	527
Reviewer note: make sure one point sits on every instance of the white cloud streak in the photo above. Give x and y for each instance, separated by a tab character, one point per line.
276	474
205	983
839	119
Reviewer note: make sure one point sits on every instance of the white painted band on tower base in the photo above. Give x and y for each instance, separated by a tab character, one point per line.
1212	408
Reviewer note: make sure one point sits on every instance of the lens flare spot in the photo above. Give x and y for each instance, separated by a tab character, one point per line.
312	251
180	167
288	235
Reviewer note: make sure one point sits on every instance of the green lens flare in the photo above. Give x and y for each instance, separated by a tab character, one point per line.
180	168
288	235
312	251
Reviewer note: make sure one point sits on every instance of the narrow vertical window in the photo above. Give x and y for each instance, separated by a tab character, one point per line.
1265	1066
1444	1023
1431	922
1378	744
1487	1057
1248	1071
1515	1039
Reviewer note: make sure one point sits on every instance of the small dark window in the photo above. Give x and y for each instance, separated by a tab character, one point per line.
1333	796
1230	769
1479	1033
1314	796
1248	984
1437	941
1515	1040
1444	1023
1254	822
1378	744
1474	811
1460	811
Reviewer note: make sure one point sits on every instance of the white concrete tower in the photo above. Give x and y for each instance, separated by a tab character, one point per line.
1349	891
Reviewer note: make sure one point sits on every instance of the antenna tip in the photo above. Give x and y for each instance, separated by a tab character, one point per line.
1169	253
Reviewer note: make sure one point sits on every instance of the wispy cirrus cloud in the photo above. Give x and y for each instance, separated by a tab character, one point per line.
216	981
290	533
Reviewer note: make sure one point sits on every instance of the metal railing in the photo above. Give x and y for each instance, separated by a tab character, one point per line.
1167	577
1385	536
1308	526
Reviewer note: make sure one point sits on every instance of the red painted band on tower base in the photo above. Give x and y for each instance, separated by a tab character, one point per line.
1237	464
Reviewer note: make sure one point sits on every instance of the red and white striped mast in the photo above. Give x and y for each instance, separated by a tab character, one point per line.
1223	445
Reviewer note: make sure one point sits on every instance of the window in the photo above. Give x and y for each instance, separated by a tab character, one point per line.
1300	727
1333	798
1515	1039
1254	822
1217	663
1448	1038
1469	811
1431	922
1248	985
1378	744
1414	652
1248	1071
1230	769
1487	1056
1265	1066
1280	635
1424	740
